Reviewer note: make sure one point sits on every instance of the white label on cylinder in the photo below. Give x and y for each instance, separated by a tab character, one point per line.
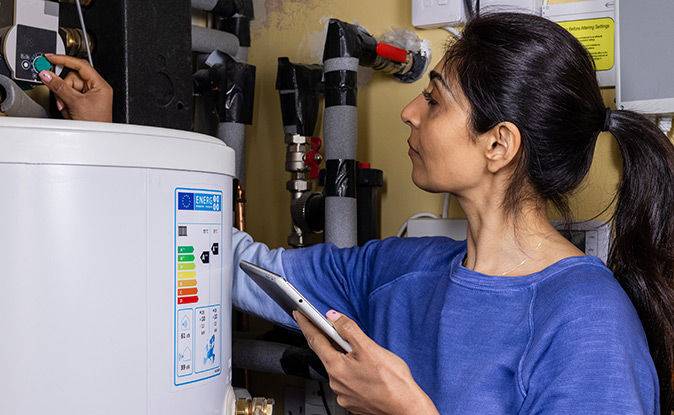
198	285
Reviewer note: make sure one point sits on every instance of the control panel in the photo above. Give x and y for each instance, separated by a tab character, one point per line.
33	34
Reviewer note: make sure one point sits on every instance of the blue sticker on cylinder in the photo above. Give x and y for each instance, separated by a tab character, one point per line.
207	201
185	201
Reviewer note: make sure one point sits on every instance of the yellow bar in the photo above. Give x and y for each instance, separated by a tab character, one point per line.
187	283
186	265
187	274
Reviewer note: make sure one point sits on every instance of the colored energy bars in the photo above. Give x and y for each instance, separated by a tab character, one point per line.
187	277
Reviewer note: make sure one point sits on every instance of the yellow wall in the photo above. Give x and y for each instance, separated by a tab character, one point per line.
295	28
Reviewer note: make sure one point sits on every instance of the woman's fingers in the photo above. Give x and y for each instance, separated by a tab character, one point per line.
87	73
318	342
83	94
349	330
75	82
60	88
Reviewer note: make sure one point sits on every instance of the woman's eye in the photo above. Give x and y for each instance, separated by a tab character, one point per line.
429	98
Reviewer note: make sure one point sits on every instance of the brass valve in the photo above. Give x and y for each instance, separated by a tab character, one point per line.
73	40
256	406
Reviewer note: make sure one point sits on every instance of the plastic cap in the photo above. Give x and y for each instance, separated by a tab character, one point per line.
41	64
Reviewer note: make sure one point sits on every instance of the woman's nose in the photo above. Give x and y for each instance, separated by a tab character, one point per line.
410	114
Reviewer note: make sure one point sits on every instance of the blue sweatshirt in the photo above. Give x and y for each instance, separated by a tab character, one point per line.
565	340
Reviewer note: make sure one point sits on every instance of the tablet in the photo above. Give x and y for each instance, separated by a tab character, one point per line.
285	295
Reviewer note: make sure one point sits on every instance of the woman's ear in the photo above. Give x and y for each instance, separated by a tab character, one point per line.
502	143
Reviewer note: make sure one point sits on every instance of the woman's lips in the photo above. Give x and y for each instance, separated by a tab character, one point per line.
412	151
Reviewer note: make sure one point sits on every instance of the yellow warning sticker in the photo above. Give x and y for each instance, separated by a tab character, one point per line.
597	35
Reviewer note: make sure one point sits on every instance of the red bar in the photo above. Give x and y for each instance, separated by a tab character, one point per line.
391	52
187	300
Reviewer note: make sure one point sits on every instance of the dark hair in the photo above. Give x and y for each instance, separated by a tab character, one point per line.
530	71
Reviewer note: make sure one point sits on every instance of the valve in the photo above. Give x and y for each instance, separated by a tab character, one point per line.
255	406
313	158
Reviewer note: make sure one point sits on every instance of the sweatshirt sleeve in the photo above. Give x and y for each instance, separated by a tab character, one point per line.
588	355
329	277
246	295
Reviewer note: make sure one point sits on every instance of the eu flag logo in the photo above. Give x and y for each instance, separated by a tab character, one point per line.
185	201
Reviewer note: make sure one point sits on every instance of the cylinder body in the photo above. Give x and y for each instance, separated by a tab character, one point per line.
112	265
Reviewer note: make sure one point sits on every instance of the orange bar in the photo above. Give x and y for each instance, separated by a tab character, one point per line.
188	291
187	283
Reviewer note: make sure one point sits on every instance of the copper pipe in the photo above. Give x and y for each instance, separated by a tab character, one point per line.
240	224
240	210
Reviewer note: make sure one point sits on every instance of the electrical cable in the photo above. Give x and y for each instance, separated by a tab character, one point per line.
325	401
453	30
403	228
445	206
84	31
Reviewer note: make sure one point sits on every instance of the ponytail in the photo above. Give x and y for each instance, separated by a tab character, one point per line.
642	255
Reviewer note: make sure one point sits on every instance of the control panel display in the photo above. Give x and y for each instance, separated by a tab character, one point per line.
31	45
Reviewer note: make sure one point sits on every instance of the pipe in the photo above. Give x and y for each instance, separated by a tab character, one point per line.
206	40
239	26
343	50
233	134
205	5
283	359
16	103
233	85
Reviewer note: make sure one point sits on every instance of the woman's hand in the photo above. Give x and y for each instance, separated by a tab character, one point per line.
83	94
370	380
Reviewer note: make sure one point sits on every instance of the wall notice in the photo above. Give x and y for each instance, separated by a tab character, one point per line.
597	35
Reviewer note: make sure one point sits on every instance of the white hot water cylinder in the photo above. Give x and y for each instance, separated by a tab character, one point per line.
115	292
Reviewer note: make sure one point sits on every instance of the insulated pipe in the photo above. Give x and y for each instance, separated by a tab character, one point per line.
270	357
206	40
221	7
16	103
232	84
343	48
233	134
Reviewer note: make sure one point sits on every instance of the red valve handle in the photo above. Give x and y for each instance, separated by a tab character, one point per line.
391	52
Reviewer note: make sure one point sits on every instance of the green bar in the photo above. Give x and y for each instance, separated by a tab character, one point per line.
185	258
185	249
189	265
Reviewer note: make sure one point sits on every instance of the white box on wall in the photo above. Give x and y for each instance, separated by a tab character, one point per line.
437	13
520	6
593	23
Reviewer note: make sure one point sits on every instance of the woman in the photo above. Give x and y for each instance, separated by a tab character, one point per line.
515	319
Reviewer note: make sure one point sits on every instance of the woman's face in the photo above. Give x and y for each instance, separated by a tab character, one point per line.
445	157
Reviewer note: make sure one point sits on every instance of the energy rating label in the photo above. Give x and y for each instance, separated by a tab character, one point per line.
198	285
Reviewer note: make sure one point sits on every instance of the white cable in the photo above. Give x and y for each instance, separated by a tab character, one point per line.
445	206
84	30
403	228
452	30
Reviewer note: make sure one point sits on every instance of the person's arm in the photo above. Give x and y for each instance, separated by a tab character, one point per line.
327	276
246	295
83	94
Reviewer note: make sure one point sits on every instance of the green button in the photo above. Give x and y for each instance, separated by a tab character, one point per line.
185	249
41	64
185	258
